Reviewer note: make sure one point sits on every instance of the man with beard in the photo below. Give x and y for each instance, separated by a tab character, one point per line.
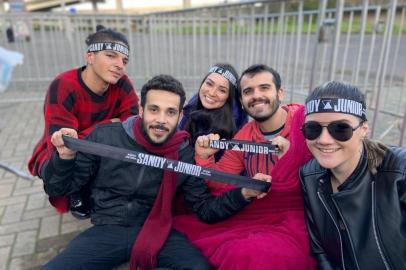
270	233
132	203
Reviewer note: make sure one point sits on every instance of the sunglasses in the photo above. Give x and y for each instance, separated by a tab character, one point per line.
339	130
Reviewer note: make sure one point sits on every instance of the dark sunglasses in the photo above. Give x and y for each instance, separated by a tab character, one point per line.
339	130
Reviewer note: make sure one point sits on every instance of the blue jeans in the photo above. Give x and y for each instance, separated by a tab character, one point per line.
108	246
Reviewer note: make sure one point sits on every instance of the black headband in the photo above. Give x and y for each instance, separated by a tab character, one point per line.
102	46
244	146
225	73
338	105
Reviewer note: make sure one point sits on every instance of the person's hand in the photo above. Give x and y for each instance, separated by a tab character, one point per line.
250	193
113	120
202	148
283	145
57	140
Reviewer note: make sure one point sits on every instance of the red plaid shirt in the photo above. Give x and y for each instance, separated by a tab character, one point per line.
71	104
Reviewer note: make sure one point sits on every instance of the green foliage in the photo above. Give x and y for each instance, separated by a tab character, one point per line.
270	26
314	4
311	5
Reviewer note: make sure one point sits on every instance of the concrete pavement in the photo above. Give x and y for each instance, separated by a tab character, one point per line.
31	231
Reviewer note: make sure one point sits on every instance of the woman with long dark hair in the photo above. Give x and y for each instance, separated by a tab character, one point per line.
354	188
216	107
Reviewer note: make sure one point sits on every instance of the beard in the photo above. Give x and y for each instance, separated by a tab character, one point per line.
262	118
150	140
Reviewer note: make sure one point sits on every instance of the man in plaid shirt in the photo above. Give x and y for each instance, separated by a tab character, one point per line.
99	92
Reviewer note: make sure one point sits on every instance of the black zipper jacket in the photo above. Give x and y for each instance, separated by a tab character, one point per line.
371	211
123	193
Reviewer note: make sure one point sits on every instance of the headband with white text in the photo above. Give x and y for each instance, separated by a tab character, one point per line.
102	46
225	73
337	105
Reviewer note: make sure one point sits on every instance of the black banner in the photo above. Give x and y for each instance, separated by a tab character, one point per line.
141	158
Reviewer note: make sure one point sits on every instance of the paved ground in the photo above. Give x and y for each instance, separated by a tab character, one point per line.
31	232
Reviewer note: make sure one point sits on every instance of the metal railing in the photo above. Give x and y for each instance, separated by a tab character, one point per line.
363	44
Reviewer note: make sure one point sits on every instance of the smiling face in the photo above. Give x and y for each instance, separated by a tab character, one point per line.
340	157
259	95
108	66
214	91
160	115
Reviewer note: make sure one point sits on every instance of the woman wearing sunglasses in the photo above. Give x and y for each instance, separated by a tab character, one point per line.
355	188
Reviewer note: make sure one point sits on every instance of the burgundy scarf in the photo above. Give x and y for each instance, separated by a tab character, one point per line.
157	226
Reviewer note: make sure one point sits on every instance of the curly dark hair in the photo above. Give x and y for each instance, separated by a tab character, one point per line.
164	82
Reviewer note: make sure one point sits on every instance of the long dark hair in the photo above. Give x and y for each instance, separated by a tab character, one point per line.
375	150
221	120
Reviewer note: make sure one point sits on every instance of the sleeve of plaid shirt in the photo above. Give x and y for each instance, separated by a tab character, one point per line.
64	109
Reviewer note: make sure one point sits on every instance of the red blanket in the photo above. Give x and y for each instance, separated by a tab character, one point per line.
268	234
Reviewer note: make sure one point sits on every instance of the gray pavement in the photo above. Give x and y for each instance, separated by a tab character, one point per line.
31	231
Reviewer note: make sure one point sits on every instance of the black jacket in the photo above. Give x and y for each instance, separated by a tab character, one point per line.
123	193
372	211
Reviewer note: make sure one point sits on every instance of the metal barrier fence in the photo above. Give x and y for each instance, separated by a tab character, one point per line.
363	44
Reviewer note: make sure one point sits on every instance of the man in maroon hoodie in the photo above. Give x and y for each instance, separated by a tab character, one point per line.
269	233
